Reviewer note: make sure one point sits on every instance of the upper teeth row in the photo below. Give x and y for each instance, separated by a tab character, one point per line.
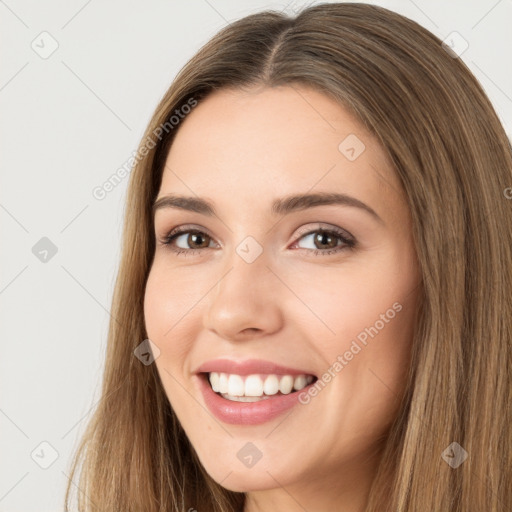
255	385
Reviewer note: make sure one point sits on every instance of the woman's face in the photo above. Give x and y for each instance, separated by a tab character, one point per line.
325	289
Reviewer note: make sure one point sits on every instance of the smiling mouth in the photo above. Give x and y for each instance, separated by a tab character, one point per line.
256	387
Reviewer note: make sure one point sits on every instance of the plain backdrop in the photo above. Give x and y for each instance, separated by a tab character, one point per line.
78	83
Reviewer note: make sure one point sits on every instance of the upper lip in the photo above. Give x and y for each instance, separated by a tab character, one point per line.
248	367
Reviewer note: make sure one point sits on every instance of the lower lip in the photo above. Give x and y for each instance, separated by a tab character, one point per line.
247	413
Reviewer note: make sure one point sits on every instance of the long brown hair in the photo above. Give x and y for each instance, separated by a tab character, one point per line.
454	161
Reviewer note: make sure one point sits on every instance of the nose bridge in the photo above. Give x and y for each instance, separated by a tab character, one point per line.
246	261
243	297
246	272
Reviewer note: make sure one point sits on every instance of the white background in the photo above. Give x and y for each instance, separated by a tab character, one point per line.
69	122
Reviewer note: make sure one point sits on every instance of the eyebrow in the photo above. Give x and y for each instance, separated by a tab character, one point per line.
281	206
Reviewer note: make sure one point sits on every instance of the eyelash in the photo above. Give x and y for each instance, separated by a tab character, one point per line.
348	241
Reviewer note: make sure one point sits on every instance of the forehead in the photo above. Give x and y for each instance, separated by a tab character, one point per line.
263	143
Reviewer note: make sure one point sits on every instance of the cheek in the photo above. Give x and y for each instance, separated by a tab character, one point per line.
365	337
157	306
168	315
166	318
371	296
170	302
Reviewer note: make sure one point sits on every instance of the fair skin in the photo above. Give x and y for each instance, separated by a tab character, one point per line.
241	150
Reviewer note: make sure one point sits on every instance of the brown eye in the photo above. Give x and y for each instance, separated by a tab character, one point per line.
198	240
324	240
187	240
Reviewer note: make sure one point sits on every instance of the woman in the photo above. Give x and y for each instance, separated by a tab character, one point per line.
313	309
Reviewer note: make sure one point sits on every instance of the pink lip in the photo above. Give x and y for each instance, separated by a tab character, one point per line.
248	367
246	413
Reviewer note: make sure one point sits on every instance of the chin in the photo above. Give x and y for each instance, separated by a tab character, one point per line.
247	481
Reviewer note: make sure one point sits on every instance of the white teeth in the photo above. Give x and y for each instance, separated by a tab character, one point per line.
244	398
253	387
299	382
286	384
223	382
214	381
235	385
271	385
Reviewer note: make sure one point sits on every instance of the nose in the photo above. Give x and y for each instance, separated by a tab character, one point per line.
245	302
